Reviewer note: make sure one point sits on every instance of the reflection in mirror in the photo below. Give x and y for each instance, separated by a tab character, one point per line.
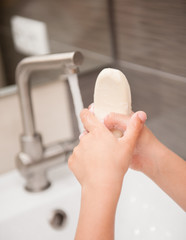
43	26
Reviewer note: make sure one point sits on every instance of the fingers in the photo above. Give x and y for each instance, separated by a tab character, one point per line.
91	107
133	131
72	158
116	121
82	134
90	121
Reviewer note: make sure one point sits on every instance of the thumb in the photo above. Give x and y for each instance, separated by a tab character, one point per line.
133	131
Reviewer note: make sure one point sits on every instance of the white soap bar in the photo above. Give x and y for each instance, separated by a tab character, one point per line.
111	94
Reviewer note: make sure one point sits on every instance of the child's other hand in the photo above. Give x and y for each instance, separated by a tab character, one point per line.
147	147
100	160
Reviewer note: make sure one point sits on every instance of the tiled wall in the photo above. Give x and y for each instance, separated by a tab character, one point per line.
152	33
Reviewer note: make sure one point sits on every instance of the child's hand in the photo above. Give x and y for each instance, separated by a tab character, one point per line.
100	160
147	147
155	160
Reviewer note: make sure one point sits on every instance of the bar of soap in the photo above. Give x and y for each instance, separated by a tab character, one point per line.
111	94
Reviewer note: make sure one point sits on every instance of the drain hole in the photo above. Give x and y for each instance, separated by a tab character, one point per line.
58	219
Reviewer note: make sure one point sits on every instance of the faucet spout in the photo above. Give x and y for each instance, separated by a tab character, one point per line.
68	62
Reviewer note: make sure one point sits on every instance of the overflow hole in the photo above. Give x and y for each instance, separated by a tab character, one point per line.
58	219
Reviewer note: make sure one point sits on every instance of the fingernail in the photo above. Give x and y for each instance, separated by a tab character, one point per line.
142	116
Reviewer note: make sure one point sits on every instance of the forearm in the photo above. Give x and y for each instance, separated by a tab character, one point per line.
168	171
97	215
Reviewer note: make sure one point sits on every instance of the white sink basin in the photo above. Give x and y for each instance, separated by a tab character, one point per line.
26	216
144	211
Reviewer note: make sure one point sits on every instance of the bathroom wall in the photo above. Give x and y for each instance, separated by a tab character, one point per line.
152	33
71	25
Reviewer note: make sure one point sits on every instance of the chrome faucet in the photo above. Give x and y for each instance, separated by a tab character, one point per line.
35	159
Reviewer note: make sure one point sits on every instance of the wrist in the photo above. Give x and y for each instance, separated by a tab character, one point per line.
104	193
156	152
97	213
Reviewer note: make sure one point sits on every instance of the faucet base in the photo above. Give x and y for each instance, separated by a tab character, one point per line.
37	182
27	188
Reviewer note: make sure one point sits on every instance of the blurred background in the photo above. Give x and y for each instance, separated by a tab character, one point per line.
145	39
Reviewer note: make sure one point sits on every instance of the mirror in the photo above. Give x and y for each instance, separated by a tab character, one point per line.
33	27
